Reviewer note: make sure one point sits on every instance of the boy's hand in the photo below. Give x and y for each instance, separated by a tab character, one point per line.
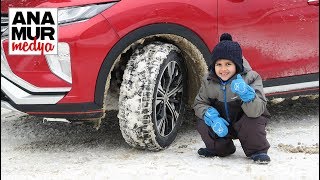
218	124
245	92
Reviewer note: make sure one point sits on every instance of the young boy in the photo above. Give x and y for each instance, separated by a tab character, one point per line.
231	105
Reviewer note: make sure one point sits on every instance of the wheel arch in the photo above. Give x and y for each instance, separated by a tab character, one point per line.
194	50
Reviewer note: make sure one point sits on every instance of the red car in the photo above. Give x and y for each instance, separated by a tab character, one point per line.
146	58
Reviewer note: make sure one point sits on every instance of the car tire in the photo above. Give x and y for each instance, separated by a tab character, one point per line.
152	96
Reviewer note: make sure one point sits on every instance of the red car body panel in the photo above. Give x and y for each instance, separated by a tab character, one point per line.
202	20
89	48
279	38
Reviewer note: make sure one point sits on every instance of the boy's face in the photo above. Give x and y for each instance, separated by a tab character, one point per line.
225	69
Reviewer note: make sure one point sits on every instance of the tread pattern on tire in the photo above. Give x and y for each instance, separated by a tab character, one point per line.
136	95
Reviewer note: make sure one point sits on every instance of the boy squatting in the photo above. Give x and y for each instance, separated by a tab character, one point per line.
231	104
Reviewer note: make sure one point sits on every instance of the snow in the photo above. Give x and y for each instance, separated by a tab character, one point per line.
31	149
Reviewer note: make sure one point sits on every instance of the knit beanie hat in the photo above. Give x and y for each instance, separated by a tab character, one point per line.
228	49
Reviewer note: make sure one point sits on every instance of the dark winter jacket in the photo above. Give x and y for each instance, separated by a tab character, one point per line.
213	93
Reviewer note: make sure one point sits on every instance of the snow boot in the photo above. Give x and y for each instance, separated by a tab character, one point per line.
205	152
260	158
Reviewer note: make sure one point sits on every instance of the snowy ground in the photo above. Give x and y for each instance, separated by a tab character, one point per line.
31	149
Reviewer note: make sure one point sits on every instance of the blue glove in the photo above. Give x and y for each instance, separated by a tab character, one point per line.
245	92
218	124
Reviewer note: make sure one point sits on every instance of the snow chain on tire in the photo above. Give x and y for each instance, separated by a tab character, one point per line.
136	95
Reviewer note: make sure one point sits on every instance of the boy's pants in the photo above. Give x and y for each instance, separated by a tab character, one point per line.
250	132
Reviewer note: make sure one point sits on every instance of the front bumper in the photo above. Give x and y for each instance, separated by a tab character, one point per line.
30	85
22	92
21	96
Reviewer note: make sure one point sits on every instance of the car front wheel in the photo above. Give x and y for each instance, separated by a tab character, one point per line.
151	96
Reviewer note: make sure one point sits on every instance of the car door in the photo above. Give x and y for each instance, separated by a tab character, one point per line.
280	38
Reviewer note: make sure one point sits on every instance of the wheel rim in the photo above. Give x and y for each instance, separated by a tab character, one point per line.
169	98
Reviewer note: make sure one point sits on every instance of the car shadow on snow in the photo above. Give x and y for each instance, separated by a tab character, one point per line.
58	136
297	110
35	135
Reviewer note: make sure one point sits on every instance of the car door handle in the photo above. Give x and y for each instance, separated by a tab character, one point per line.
313	2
